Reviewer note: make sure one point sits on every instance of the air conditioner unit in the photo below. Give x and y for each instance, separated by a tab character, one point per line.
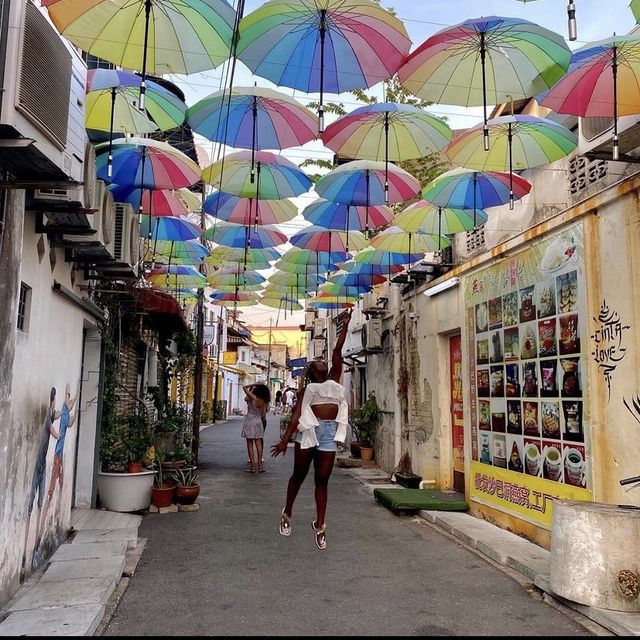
372	335
43	96
369	300
125	242
596	136
309	317
319	325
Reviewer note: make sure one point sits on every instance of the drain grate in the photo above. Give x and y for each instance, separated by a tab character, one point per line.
378	480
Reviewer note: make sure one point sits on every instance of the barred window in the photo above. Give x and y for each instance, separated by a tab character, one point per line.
24	306
475	239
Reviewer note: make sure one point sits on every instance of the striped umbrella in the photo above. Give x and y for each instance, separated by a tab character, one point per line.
176	276
247	211
346	217
324	240
181	252
488	60
246	278
240	236
168	228
154	202
250	257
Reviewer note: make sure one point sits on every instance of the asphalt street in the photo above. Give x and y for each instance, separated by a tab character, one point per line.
226	571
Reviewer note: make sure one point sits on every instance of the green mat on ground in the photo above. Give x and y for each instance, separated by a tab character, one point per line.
417	499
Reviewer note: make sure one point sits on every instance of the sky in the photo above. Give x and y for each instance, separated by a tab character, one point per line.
596	20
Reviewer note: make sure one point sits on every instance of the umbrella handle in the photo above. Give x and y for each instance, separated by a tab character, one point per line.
110	158
510	139
386	157
323	33
253	139
614	71
143	83
573	25
483	61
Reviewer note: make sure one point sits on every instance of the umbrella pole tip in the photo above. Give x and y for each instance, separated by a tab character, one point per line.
485	137
573	25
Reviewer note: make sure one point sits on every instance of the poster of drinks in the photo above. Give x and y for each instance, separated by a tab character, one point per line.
527	323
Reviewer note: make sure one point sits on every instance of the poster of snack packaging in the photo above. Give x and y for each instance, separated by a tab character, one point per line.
526	322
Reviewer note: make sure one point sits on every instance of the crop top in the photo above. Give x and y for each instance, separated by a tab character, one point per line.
327	392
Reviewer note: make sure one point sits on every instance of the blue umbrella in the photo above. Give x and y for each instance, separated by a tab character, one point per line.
168	228
240	236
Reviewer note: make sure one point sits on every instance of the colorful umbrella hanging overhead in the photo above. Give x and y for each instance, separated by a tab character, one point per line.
519	142
176	276
112	102
282	302
248	211
486	61
252	118
470	189
180	252
603	80
152	36
153	202
146	164
400	241
168	228
240	236
322	46
389	132
297	260
252	257
324	240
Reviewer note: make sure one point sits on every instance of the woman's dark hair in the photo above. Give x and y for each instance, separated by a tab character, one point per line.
262	391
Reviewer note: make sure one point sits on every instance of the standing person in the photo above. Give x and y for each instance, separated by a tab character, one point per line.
278	402
258	397
321	418
289	397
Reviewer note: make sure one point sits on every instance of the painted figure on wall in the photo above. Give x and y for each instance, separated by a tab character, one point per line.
57	470
38	481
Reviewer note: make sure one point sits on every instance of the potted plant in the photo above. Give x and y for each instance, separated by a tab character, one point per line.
187	485
404	475
364	424
163	488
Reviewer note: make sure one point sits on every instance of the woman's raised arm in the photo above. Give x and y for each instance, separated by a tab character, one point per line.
336	357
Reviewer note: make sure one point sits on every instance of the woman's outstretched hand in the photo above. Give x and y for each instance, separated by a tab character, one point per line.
279	448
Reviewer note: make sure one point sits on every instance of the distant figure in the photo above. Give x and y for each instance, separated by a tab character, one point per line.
289	400
258	397
278	402
38	481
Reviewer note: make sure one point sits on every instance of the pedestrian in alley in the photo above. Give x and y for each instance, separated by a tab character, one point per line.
321	418
258	397
289	400
278	402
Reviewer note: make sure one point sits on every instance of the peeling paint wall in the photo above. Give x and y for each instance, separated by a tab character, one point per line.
48	354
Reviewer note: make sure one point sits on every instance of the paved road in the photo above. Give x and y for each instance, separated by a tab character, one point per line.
225	570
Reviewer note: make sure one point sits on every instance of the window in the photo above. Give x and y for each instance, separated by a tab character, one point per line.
24	304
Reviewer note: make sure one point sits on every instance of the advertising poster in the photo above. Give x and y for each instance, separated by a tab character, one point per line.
457	411
527	322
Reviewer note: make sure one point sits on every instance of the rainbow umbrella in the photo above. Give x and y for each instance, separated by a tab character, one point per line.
168	228
252	118
603	80
520	142
486	61
332	301
236	286
155	202
283	302
246	278
146	164
253	257
344	217
470	189
357	281
423	218
240	296
398	240
295	280
324	45
112	101
240	236
324	240
176	275
192	201
181	252
373	257
305	261
247	211
364	183
371	269
154	36
342	290
387	131
275	176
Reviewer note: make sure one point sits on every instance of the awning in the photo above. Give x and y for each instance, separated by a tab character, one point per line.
156	302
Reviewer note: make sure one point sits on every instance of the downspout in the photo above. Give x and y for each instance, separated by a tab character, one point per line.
4	36
396	302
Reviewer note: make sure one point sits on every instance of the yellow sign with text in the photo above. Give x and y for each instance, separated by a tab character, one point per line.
229	357
529	497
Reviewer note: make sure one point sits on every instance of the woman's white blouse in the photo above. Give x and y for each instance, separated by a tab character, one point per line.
327	392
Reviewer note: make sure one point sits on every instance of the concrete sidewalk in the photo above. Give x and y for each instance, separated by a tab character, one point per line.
80	588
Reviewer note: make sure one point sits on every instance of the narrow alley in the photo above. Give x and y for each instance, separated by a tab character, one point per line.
225	570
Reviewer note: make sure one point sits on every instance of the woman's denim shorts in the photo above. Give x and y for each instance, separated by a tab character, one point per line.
325	432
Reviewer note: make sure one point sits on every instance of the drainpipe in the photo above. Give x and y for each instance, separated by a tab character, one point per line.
396	302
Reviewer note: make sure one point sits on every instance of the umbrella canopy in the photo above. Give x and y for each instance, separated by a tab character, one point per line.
362	182
422	217
181	252
370	269
320	239
325	45
240	236
154	36
240	296
252	118
295	280
275	176
345	217
246	278
297	260
470	189
168	228
343	291
387	131
484	61
400	241
154	202
603	80
357	279
230	208
177	276
290	303
249	256
635	7
146	164
386	260
192	201
519	142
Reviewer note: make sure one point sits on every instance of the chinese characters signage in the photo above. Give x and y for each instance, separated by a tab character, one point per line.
526	318
457	413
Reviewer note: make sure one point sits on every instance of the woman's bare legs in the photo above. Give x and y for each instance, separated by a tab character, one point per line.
259	459
252	460
301	463
323	466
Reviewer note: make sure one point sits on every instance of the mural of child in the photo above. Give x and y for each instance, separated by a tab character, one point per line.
66	422
39	479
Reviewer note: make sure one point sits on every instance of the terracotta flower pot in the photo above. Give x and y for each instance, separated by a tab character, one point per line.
134	467
366	453
162	495
187	495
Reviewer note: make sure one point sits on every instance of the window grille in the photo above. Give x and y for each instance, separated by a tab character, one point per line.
475	239
24	302
583	173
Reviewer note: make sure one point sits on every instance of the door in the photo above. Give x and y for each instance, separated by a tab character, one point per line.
457	413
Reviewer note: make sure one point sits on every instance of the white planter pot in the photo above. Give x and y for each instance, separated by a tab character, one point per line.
125	491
